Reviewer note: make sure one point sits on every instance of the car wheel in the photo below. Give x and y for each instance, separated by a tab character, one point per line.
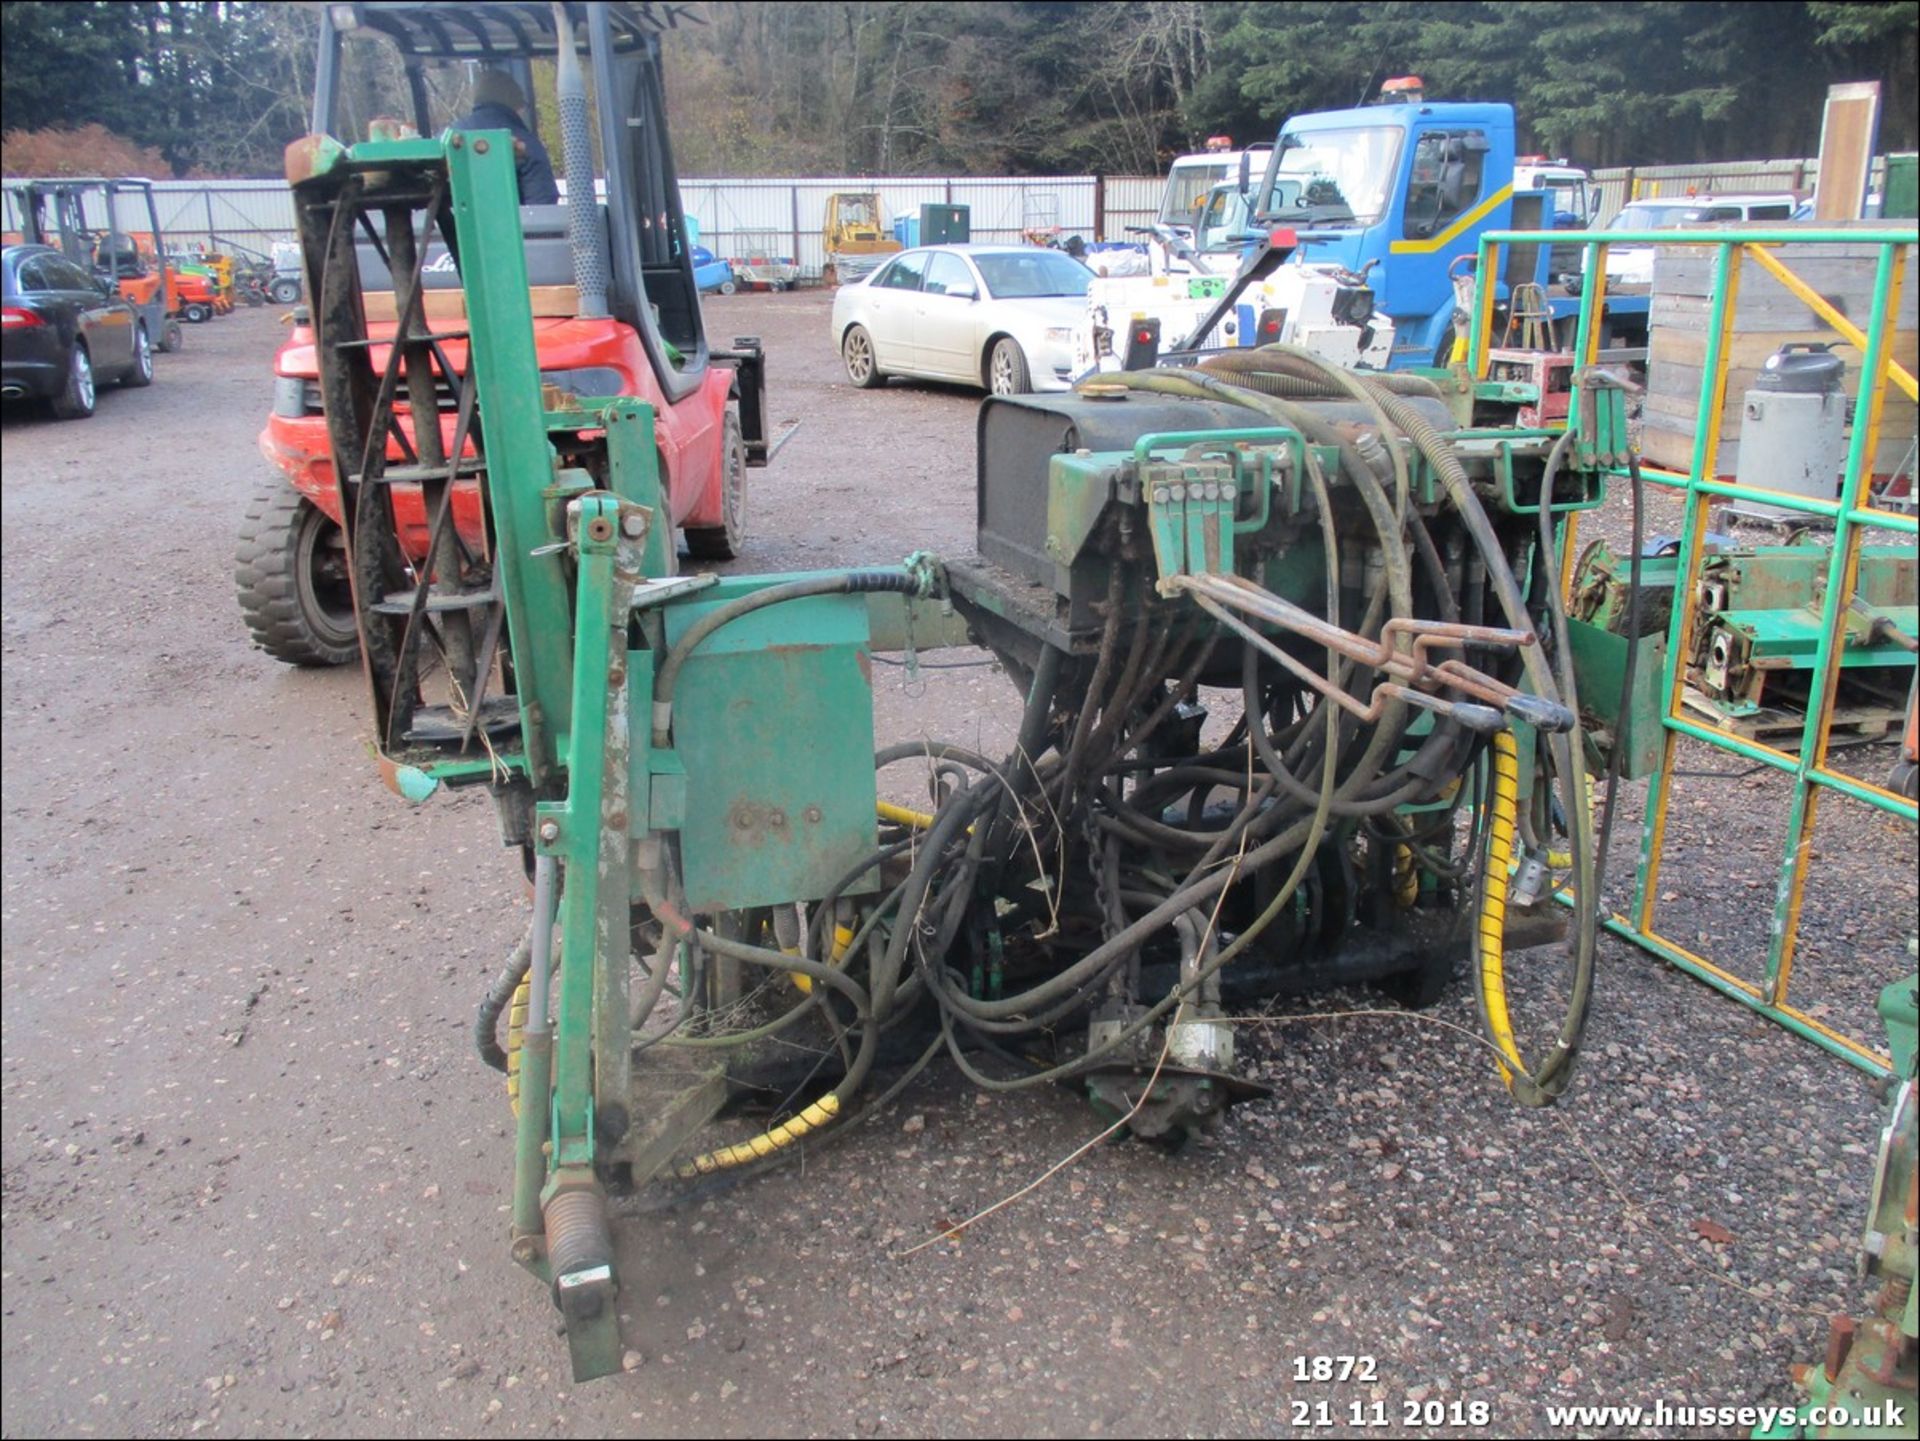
727	287
291	571
76	398
726	540
1007	372
142	371
863	362
196	313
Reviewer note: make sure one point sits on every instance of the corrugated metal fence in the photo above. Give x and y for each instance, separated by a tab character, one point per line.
786	215
249	213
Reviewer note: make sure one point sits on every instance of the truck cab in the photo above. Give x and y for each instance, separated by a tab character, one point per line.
1397	191
1193	179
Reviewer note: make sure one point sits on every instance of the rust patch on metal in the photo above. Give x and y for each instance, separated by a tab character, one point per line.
309	156
389	773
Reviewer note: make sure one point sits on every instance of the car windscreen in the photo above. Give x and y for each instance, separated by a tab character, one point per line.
1027	275
1651	217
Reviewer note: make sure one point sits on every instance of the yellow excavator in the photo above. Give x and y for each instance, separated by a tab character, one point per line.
858	239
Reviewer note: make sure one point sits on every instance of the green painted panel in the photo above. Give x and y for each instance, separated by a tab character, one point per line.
773	722
1599	665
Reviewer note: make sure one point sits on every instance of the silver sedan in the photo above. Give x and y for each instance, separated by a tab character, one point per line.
998	316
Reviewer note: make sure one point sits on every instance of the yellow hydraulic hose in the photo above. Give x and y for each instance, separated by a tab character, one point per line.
900	815
842	938
766	1143
1492	928
516	1024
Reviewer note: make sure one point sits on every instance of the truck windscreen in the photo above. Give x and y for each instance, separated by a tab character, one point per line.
1332	176
1187	187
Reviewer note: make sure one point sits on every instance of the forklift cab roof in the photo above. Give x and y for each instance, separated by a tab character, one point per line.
502	30
651	287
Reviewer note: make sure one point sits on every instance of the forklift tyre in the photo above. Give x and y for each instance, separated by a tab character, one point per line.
291	575
172	338
727	540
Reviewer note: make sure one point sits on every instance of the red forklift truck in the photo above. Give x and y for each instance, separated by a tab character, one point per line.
617	311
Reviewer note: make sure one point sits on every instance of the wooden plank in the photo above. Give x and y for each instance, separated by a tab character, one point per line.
1847	131
549	302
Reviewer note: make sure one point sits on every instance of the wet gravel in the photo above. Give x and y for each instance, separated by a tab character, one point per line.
254	1180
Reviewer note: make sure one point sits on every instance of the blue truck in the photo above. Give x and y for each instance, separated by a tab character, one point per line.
1399	190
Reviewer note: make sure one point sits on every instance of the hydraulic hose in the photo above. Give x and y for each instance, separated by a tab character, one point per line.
486	1022
1489	971
1555	1071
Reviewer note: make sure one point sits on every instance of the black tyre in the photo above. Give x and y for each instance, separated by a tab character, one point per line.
1904	780
76	398
862	360
727	540
197	314
172	338
291	571
142	372
1007	372
727	287
285	291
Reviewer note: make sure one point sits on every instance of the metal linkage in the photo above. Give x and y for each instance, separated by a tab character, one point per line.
1413	674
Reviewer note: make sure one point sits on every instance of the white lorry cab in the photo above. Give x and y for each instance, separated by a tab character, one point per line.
1192	179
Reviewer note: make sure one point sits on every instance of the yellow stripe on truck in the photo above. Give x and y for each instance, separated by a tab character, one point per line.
1454	231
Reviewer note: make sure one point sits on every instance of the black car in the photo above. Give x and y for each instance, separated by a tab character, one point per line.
63	330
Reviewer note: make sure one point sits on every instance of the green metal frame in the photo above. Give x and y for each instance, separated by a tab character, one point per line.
1849	514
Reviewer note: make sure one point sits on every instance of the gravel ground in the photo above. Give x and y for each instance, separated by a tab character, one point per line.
255	1181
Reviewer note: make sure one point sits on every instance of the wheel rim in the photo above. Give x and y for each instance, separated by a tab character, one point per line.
1002	369
859	355
736	496
143	353
82	379
320	571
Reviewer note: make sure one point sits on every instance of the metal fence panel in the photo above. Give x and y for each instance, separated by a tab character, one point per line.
1132	200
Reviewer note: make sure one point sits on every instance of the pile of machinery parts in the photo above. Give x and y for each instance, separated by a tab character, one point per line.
1758	615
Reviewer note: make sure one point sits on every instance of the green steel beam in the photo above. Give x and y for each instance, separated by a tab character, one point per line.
520	460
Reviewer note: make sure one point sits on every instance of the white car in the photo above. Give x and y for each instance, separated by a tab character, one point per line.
1632	265
1003	317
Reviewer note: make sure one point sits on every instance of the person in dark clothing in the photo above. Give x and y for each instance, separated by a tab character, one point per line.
498	105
